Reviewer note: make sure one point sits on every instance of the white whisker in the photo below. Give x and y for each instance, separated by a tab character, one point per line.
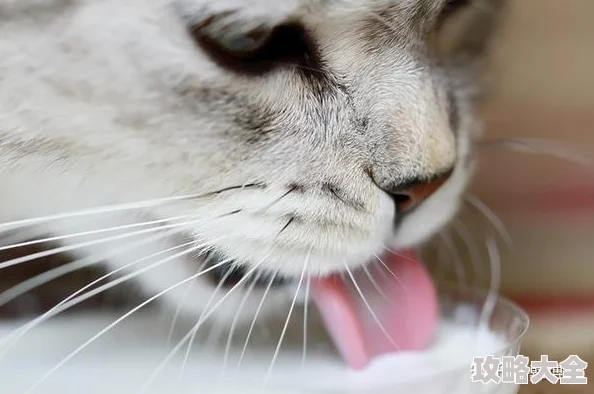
455	255
95	211
70	302
376	285
68	248
380	270
284	331
208	303
183	300
215	332
119	207
373	315
253	323
491	217
74	299
397	253
541	146
391	272
472	247
305	312
234	324
198	325
18	236
115	323
90	232
492	296
48	276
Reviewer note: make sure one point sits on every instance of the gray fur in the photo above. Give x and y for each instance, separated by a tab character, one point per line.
109	101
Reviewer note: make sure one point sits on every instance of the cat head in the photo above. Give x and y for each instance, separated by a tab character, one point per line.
306	130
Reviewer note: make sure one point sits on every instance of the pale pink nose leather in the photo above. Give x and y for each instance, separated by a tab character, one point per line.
414	194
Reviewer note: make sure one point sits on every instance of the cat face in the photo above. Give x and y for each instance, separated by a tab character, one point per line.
297	130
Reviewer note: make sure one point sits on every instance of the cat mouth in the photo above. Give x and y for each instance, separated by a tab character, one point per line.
370	317
366	316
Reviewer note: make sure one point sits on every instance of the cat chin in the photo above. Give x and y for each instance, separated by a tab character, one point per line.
201	303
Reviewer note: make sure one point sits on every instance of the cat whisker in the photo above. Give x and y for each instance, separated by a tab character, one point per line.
118	321
183	300
371	311
491	217
443	262
78	296
455	255
208	303
69	248
539	146
256	314
234	324
495	284
215	332
391	272
120	207
375	284
277	200
91	232
48	276
193	337
305	316
399	254
94	211
282	230
380	270
18	236
203	318
286	325
472	247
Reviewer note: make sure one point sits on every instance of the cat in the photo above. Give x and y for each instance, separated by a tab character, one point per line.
253	139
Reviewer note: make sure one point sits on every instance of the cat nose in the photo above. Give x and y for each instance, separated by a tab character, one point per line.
409	195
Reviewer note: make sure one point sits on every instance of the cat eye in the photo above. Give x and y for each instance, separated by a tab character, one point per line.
255	51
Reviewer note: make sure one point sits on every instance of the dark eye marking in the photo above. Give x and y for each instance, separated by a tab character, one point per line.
258	50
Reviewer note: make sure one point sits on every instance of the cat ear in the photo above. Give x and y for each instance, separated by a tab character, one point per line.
466	36
481	29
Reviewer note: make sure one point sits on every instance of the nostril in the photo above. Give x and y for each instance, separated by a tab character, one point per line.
403	202
413	193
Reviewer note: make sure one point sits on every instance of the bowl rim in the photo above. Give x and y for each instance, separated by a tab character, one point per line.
522	315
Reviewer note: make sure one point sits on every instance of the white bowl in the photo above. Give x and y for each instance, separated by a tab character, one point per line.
122	360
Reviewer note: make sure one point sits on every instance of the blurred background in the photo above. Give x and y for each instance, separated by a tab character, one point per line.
543	92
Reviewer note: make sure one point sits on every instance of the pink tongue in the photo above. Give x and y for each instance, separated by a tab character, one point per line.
404	303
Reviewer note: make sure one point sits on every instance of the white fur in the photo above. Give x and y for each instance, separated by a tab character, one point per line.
105	102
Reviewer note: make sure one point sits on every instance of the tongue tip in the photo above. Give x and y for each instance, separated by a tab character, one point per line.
410	320
341	321
414	316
